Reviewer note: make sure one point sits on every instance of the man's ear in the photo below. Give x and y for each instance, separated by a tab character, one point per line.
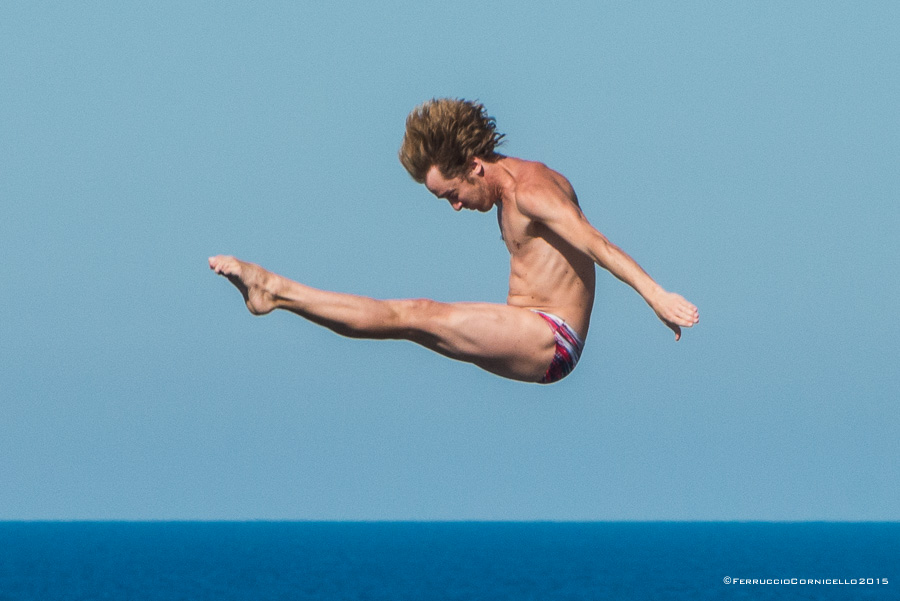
477	167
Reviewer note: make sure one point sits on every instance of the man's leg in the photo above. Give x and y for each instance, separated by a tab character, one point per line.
509	341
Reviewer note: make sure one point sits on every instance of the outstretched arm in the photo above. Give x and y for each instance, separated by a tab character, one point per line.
553	207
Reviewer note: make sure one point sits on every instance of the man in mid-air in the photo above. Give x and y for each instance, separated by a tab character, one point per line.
538	335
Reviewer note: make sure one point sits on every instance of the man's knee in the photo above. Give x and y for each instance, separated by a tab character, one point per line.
420	318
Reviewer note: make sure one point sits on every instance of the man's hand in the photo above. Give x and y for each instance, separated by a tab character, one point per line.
674	311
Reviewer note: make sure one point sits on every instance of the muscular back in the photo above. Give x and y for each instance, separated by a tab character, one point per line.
546	272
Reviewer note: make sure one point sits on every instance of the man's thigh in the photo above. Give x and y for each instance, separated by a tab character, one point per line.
510	341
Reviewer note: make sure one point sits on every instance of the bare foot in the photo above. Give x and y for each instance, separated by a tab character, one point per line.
257	285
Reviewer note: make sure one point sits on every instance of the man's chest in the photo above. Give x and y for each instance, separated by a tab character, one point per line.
517	230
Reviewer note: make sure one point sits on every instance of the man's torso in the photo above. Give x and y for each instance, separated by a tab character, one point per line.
546	273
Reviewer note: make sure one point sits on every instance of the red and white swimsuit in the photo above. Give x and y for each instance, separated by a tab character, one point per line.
568	349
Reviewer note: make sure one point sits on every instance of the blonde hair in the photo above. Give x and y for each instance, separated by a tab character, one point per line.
447	133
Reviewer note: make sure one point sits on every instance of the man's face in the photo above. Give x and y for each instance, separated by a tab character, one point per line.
461	192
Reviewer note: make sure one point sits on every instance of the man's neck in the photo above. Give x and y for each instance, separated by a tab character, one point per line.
499	178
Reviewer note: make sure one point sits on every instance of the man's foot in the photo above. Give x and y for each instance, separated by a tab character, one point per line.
257	285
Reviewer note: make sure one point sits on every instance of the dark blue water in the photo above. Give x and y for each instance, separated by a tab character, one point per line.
434	561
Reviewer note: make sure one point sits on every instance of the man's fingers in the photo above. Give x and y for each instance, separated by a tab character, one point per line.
688	317
680	318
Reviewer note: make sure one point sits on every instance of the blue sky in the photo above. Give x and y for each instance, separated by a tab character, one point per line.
744	153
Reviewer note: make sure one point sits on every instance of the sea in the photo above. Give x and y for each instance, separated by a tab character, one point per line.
467	561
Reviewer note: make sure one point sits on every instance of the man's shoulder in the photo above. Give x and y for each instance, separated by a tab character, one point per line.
538	183
534	175
532	170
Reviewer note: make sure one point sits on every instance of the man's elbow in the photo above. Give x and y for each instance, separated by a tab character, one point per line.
600	248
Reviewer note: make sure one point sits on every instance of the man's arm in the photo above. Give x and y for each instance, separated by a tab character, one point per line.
552	206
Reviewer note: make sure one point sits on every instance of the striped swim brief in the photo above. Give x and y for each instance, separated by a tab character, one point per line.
568	349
